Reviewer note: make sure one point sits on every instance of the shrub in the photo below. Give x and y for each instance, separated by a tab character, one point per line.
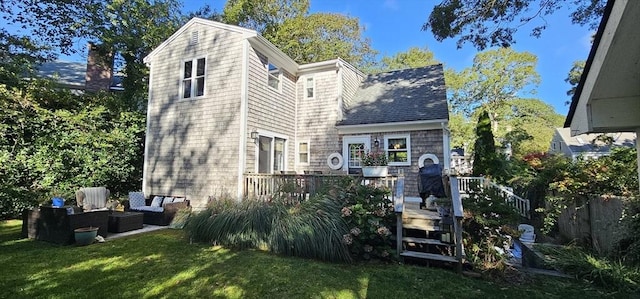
628	245
487	223
369	215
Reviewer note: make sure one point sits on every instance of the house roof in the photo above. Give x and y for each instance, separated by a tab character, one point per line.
71	74
587	142
409	95
608	94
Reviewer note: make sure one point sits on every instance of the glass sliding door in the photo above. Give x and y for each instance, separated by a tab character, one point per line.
271	154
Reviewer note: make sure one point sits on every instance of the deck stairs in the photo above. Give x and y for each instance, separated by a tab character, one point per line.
430	235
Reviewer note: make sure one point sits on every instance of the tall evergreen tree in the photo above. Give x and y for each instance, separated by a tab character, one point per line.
485	159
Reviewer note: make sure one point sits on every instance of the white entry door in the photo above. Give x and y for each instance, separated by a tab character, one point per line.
353	149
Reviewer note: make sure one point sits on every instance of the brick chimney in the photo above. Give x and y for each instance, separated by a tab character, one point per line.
99	69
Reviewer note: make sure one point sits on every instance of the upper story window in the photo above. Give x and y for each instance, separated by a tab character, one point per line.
309	88
193	78
398	148
275	76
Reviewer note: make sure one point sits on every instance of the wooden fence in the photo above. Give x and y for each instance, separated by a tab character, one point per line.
593	223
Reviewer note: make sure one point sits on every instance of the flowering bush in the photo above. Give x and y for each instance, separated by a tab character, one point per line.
368	212
375	159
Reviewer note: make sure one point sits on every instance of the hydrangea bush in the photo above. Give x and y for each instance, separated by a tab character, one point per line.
368	212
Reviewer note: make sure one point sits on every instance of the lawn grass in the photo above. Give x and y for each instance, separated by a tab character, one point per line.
164	264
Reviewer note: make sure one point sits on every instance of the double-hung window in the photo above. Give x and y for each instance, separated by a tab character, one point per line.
275	76
193	78
398	148
303	152
309	88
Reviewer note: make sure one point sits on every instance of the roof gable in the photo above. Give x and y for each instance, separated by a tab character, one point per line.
407	95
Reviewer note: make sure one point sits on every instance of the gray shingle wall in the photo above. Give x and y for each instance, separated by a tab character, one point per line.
317	118
269	109
192	144
422	142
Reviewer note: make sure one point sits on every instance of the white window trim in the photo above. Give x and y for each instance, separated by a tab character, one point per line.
279	89
306	86
386	148
298	162
194	67
273	136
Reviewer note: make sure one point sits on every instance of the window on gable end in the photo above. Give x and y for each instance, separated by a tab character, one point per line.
275	76
309	88
193	78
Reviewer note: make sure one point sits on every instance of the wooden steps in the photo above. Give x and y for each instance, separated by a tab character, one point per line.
429	256
420	227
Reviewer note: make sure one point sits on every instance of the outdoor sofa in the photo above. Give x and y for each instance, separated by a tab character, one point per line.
157	209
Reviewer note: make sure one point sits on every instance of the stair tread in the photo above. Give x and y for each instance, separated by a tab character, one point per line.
429	256
425	241
421	226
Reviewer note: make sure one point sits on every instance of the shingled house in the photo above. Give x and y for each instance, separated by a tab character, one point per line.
224	101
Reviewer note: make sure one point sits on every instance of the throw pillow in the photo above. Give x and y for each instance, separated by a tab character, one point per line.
136	199
178	199
157	201
167	200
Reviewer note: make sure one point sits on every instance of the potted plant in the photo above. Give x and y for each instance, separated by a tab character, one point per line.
374	165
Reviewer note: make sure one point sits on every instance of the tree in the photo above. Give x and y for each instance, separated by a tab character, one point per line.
488	23
264	16
412	58
496	76
132	29
323	36
527	125
302	36
462	131
485	159
573	77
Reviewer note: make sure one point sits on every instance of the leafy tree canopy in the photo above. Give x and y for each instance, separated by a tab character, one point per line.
323	36
488	23
412	58
304	37
496	76
574	75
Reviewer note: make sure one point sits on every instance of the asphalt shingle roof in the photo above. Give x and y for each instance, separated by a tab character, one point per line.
399	96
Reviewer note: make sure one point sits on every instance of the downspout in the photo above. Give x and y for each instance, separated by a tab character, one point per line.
446	147
145	164
244	103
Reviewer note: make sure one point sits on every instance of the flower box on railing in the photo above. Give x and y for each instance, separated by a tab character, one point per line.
375	171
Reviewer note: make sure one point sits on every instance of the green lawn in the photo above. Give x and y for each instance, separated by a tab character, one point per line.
164	264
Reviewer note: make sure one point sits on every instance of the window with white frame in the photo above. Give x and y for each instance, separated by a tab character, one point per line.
303	152
398	149
309	88
193	78
275	76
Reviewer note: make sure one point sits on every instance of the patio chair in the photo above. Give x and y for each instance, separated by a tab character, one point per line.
92	198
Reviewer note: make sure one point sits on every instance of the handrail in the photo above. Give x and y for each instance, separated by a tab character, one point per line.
466	185
458	214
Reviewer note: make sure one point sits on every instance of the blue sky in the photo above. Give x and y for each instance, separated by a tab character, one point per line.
395	26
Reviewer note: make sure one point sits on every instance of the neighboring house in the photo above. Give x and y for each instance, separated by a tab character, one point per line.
224	101
587	145
607	99
94	75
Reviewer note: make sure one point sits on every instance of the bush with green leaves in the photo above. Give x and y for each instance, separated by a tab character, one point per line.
628	244
368	212
55	142
488	221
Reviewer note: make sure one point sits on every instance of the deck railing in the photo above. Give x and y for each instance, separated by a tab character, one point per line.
468	184
299	187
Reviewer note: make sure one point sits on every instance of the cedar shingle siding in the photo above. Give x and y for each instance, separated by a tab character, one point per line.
194	146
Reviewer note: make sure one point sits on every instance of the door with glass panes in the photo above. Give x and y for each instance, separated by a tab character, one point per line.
271	154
